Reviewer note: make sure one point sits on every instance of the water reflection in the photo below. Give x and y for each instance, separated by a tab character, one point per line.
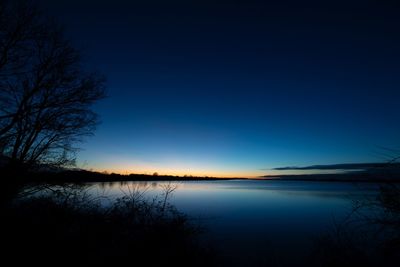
246	219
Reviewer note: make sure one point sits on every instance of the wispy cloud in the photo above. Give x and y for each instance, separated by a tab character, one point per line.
344	166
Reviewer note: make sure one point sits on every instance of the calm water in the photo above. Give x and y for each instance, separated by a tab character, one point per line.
257	221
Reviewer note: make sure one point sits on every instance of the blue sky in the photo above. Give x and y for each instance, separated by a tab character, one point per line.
232	89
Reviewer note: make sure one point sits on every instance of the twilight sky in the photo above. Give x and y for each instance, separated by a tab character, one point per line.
236	89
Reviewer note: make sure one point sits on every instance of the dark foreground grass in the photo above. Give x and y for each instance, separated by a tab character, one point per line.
369	236
64	226
67	225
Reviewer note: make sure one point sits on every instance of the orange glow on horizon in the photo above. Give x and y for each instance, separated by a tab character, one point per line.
181	173
201	172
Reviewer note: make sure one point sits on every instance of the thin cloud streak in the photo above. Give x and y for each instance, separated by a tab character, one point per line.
344	166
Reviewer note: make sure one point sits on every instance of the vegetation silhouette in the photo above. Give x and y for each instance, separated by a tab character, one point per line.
46	93
368	236
68	226
50	218
46	98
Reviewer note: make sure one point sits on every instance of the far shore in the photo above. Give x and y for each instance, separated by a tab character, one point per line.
363	177
84	176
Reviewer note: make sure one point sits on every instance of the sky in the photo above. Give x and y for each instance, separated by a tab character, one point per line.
226	88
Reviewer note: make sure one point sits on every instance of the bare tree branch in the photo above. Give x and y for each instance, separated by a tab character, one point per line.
45	93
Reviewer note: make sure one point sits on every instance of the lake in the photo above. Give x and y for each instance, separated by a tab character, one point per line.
256	222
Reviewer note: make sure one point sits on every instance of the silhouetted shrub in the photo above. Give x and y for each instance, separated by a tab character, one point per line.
66	225
369	236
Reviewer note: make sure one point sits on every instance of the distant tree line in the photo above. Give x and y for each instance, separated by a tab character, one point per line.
45	92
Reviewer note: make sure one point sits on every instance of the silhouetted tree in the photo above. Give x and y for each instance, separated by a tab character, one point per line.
45	93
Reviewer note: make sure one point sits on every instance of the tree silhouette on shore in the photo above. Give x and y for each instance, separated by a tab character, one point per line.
45	92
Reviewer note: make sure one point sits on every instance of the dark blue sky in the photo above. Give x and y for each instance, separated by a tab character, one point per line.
231	88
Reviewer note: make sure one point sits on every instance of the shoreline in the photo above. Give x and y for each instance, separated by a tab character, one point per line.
83	176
